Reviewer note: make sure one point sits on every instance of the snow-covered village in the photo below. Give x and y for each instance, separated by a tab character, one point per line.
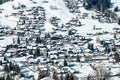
59	39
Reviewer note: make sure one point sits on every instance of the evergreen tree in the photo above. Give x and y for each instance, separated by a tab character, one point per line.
7	68
71	77
114	46
38	40
18	40
78	58
26	40
2	78
115	36
70	32
91	47
31	52
104	78
5	58
17	69
0	62
55	77
47	35
119	21
61	77
117	57
37	53
8	77
67	76
41	75
116	9
13	41
22	75
100	5
65	63
11	66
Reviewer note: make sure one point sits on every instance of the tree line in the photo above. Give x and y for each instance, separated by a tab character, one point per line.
3	1
100	5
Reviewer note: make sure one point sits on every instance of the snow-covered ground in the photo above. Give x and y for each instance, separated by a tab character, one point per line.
63	13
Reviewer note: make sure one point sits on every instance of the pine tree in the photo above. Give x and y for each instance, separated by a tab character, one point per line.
100	5
114	46
92	47
7	68
0	62
38	40
31	52
22	75
72	77
61	77
11	66
37	52
78	58
117	57
116	9
47	35
8	77
17	69
67	76
115	36
2	78
65	63
55	77
5	58
119	21
94	27
89	77
89	46
26	40
41	75
18	40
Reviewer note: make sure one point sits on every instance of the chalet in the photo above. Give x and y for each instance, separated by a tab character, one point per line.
11	50
2	34
117	45
56	37
64	29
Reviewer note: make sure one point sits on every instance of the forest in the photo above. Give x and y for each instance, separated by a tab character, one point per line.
100	5
3	1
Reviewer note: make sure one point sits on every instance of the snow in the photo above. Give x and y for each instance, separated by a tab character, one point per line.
115	78
63	13
47	78
7	40
84	70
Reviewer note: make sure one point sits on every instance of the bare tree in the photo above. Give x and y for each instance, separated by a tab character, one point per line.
101	73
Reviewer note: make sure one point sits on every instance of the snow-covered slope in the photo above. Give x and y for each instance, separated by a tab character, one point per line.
62	12
57	8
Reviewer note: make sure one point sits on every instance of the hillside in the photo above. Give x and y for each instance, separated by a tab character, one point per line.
60	40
